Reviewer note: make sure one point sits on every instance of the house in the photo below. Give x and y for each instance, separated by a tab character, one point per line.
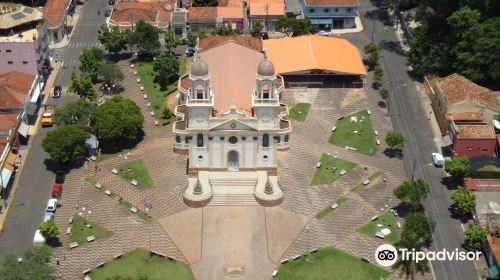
456	94
209	18
331	14
267	12
323	61
126	14
58	17
230	16
231	121
9	144
19	94
473	139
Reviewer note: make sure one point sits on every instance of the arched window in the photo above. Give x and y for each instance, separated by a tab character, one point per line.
199	92
199	140
177	138
287	138
265	92
265	140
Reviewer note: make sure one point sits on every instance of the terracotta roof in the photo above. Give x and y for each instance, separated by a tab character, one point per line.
332	2
14	88
231	3
314	52
267	9
53	11
202	13
8	121
457	89
214	41
229	12
124	16
233	70
475	131
147	11
494	243
466	116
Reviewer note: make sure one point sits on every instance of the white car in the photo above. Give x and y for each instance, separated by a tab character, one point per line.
48	216
438	159
52	205
38	239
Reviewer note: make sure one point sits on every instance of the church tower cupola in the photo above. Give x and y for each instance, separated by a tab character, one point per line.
200	86
265	80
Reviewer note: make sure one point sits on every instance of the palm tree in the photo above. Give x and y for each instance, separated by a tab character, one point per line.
409	266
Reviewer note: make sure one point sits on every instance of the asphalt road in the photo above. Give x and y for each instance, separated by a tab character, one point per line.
34	189
409	117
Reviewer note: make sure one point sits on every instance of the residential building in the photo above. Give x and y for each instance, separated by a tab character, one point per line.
331	14
202	18
267	12
323	61
456	94
19	94
473	139
126	14
230	119
58	17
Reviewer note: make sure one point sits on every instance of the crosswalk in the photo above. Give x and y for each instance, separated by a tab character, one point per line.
71	63
85	45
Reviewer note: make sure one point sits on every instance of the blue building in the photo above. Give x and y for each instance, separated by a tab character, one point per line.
331	14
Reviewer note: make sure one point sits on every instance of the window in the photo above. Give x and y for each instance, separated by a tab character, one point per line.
265	140
349	10
233	140
199	140
25	62
336	10
265	94
327	10
199	94
287	137
311	11
177	139
10	62
8	50
277	139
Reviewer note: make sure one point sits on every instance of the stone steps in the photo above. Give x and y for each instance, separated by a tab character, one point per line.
233	200
233	182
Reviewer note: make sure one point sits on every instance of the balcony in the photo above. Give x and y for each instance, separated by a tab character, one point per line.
192	101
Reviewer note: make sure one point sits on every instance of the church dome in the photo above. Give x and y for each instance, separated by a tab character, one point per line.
266	68
199	68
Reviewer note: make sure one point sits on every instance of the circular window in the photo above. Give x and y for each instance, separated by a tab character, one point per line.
233	140
265	156
200	157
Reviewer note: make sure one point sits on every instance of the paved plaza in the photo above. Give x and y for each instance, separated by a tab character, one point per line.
247	242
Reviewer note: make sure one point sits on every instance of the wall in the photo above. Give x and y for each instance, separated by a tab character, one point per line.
328	11
17	53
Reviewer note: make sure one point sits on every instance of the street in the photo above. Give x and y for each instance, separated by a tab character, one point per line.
34	185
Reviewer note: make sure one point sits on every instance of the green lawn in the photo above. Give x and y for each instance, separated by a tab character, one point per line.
328	210
299	111
360	186
107	155
330	264
79	231
136	170
374	175
326	174
388	220
140	213
133	265
363	141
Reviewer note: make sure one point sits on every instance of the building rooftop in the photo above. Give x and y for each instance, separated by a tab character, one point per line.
475	131
230	3
14	88
331	2
466	116
488	208
229	12
150	12
267	9
202	13
54	10
457	89
8	121
314	52
214	41
25	36
17	14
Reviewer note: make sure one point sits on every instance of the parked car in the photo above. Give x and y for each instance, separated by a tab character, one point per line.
52	205
322	33
48	216
111	2
57	91
438	159
59	177
38	239
190	51
107	13
47	119
57	190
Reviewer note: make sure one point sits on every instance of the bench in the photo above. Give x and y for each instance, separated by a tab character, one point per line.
117	257
99	265
284	261
378	142
98	185
114	171
133	210
142	88
107	192
173	259
369	112
138	80
87	271
275	272
342	172
366	182
68	231
152	113
134	182
315	250
145	96
73	245
380	235
374	218
87	277
365	259
376	133
70	221
398	224
296	257
90	238
156	123
334	128
318	165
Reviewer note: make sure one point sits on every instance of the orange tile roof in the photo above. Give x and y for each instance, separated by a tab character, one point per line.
229	12
494	243
53	11
475	131
457	89
233	70
8	121
332	2
214	41
465	116
202	13
231	3
314	52
150	12
267	9
14	88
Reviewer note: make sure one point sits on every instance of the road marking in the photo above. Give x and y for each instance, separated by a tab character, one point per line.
462	225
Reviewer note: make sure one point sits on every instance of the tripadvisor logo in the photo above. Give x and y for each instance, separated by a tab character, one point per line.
387	255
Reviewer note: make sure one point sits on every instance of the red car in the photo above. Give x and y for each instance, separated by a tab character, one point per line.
57	190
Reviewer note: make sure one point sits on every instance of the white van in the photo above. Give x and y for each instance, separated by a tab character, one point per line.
38	239
438	159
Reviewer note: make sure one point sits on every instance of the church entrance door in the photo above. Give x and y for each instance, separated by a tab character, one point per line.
233	161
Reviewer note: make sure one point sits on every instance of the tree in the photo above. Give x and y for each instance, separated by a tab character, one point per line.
192	37
83	86
378	73
167	113
114	40
65	143
405	4
171	42
77	112
90	62
294	27
395	140
49	229
412	193
410	266
205	3
145	37
420	225
371	51
384	93
166	67
475	236
458	166
35	265
257	28
226	30
110	73
464	200
117	121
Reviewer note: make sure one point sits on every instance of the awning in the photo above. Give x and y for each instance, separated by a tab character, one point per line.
5	176
69	20
23	129
36	93
321	21
11	159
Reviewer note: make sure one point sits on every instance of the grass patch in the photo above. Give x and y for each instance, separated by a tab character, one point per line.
388	220
79	231
111	154
330	263
374	176
136	170
299	111
359	186
486	172
364	140
133	265
328	210
326	174
140	213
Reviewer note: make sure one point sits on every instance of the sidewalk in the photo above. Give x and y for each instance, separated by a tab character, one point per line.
65	41
358	28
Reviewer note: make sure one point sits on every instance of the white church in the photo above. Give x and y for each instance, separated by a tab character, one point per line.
231	123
